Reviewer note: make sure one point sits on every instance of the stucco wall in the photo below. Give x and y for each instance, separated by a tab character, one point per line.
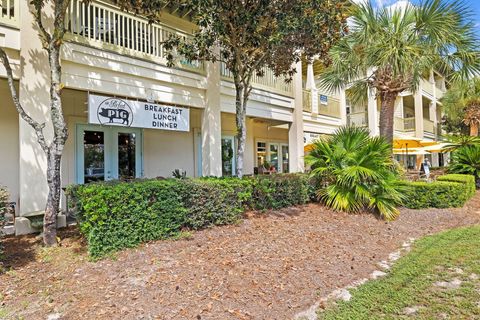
165	151
9	144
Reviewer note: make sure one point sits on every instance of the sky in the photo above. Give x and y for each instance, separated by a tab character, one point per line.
474	4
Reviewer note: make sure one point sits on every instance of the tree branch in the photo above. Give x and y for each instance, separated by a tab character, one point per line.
43	33
38	127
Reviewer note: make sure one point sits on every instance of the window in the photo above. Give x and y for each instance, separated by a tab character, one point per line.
272	156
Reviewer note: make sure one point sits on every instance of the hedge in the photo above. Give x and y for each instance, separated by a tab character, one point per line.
467	179
117	215
451	190
4	195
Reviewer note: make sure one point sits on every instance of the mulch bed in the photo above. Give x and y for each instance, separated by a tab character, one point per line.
270	266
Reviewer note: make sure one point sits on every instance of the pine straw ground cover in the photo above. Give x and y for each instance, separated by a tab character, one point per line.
269	266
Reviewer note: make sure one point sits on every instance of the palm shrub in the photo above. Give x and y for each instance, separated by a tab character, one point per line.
356	171
466	160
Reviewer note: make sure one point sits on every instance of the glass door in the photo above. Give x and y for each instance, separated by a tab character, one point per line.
92	156
228	156
105	153
127	154
274	156
285	162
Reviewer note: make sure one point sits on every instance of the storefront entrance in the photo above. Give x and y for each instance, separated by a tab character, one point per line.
107	153
274	155
228	155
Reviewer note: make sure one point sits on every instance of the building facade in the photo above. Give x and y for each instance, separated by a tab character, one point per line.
129	115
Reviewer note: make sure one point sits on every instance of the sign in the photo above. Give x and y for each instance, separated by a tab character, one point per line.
310	137
323	99
137	114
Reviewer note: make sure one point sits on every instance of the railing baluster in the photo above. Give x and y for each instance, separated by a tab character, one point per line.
122	27
9	15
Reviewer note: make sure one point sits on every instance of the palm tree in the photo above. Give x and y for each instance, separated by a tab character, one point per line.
357	172
462	101
390	49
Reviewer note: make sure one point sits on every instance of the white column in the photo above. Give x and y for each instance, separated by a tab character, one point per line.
399	107
311	85
295	133
418	101
372	113
343	107
34	86
212	124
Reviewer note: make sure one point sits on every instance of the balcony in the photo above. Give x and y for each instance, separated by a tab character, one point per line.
439	90
9	12
330	106
267	82
357	119
429	126
427	87
105	26
404	124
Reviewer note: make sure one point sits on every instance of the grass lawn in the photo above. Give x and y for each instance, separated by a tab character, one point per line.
438	279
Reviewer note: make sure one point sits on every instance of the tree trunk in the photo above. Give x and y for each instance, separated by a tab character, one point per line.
53	201
51	43
387	111
474	129
241	110
55	150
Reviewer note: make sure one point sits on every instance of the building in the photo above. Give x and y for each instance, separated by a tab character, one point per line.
417	115
129	115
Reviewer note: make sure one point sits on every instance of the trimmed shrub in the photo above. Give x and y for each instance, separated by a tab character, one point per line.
116	215
451	190
279	191
214	201
467	179
121	215
4	196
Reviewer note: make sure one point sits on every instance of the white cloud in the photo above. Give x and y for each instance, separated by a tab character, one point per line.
385	3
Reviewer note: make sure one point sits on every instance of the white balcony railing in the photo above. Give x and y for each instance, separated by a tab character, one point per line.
9	12
428	126
331	108
404	124
267	81
358	119
109	27
427	86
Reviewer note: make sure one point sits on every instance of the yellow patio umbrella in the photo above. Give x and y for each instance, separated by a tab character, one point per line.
307	148
438	147
406	142
411	152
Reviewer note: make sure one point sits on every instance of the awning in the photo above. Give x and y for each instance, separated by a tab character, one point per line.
439	147
411	152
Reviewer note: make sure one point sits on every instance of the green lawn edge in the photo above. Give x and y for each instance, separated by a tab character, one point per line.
413	282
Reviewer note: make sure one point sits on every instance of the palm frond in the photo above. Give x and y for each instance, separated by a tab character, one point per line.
360	171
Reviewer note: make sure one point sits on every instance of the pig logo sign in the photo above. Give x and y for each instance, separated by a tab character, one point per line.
115	111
